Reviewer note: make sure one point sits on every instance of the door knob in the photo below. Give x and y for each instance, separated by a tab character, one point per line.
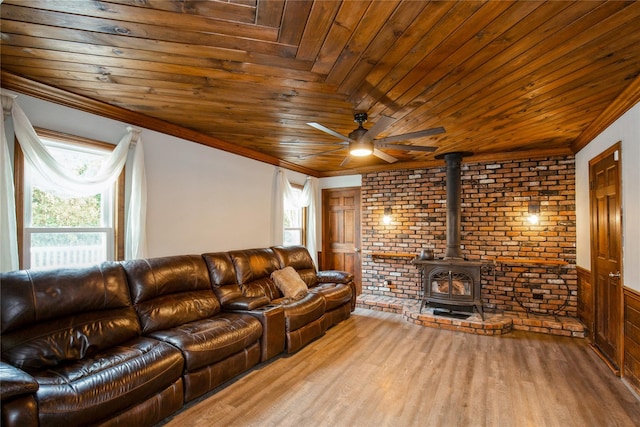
615	275
356	250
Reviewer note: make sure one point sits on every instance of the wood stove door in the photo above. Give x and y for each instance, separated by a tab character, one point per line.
445	284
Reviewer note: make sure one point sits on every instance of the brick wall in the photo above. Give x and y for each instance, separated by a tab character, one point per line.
494	224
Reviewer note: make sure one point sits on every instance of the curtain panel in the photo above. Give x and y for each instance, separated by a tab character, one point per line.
38	156
284	195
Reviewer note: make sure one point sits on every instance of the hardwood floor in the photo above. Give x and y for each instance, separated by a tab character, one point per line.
377	370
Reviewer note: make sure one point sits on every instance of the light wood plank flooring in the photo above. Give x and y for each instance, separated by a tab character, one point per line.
377	370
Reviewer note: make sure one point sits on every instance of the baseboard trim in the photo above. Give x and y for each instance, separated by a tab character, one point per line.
606	360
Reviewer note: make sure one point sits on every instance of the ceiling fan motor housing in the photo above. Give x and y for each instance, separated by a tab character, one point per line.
358	133
360	118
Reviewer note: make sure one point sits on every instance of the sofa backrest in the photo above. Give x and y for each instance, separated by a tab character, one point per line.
298	257
223	276
170	291
63	315
253	272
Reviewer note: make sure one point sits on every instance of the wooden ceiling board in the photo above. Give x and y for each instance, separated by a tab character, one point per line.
505	79
54	37
509	80
229	11
340	32
145	31
396	33
294	18
382	79
481	70
270	13
373	18
319	21
159	18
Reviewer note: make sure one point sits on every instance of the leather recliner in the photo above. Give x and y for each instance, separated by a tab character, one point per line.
127	343
304	318
176	304
337	287
76	333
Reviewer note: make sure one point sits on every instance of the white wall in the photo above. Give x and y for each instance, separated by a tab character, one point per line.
626	130
341	181
201	199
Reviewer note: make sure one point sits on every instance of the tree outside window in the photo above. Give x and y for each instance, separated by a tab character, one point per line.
295	222
60	230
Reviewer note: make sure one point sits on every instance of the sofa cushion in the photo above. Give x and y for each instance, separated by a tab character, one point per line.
90	390
15	382
223	276
299	258
298	313
335	294
289	283
207	341
61	316
170	291
253	272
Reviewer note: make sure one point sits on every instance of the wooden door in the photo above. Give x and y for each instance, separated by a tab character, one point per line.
341	231
606	253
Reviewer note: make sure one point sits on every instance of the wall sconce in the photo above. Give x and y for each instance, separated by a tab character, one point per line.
386	218
534	210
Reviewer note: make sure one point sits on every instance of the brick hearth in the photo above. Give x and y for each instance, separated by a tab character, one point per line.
498	323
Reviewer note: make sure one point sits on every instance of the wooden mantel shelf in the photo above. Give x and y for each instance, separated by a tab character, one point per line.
391	255
529	261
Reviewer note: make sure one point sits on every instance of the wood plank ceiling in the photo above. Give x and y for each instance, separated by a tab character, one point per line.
505	79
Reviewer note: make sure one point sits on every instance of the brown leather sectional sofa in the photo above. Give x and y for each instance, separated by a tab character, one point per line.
128	343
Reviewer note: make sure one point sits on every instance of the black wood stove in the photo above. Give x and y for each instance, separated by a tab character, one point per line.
452	282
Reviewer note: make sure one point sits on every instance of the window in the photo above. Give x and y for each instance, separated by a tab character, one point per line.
59	230
295	220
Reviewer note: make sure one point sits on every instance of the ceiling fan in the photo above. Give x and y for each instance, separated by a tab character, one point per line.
362	142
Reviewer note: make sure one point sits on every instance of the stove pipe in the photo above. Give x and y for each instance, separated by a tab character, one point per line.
453	161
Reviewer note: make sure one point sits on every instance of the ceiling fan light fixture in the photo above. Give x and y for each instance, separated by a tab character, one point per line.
360	148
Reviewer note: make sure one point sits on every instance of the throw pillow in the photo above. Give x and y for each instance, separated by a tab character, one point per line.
290	283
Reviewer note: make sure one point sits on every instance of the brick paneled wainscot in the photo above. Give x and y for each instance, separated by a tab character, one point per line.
494	225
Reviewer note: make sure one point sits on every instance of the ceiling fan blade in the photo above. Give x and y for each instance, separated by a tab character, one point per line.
329	131
306	156
382	123
346	161
412	135
307	143
384	156
405	147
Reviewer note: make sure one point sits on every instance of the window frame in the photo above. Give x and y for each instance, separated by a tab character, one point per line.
116	239
303	219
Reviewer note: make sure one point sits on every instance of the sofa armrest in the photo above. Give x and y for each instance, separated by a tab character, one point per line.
15	382
245	303
334	276
337	276
272	319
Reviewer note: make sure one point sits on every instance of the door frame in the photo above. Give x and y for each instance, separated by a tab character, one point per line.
618	370
358	235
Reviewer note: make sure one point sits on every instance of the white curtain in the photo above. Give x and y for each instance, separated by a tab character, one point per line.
60	178
8	230
285	195
136	225
36	153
